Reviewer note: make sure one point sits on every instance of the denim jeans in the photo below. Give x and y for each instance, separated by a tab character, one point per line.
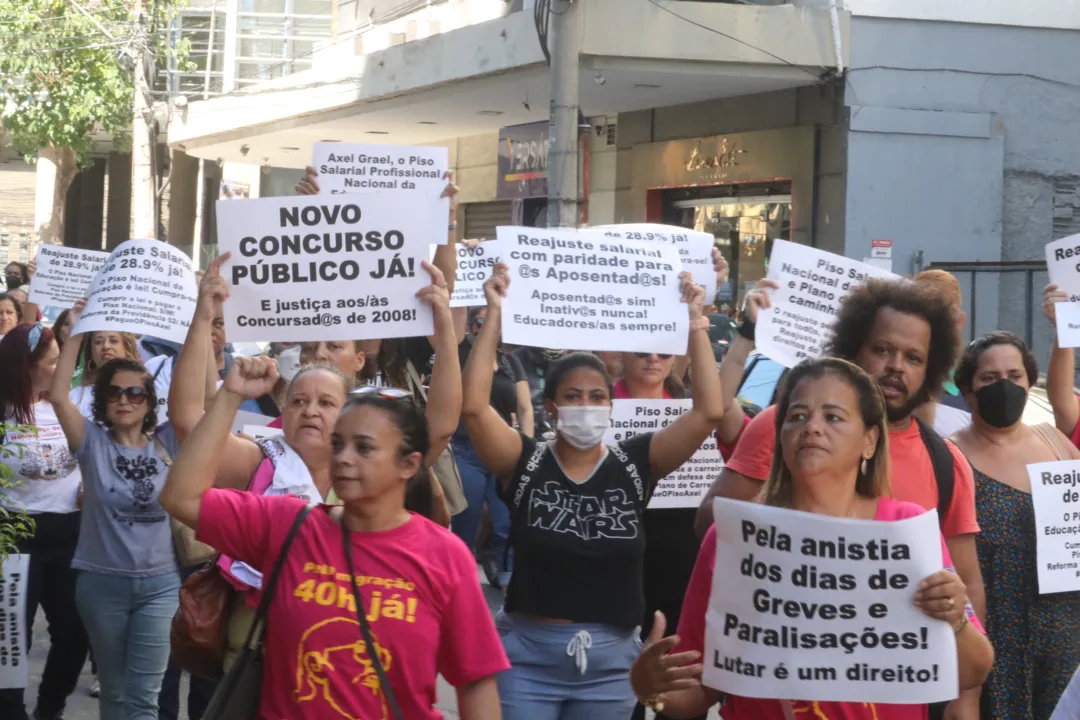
566	672
481	487
128	621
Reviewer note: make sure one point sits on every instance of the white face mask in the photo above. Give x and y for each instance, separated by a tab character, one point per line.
288	362
583	426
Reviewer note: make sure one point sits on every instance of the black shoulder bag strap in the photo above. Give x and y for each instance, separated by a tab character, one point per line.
942	460
365	628
269	586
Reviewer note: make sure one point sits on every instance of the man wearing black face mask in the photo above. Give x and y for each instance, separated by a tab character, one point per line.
906	339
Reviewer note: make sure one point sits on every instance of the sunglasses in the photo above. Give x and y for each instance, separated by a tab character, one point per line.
645	355
390	393
135	395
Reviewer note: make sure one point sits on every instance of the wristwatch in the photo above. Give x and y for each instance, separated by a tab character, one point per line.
453	226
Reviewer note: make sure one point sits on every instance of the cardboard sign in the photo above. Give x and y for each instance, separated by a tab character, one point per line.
813	283
410	174
1055	492
14	639
146	288
819	608
571	289
312	268
685	487
63	275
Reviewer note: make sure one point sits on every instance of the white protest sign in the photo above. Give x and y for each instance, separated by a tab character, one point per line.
261	432
473	269
812	285
146	288
1055	492
818	608
14	580
413	173
246	419
695	248
570	289
685	487
63	274
323	268
1063	267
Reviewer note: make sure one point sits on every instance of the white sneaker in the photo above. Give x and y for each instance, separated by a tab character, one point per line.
95	689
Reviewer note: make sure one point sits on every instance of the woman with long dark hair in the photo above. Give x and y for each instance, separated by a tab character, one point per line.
45	481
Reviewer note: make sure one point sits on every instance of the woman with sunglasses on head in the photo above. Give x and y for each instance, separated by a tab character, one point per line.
831	458
373	601
575	602
44	484
127	591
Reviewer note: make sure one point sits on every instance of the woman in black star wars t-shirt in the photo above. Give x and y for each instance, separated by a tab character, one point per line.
575	598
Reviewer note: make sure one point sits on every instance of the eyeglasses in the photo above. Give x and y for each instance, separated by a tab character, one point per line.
645	355
135	395
390	393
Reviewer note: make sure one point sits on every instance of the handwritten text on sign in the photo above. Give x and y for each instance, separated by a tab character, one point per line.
1055	492
473	269
410	172
685	487
695	248
817	608
1063	267
570	289
323	268
63	274
145	287
813	283
14	578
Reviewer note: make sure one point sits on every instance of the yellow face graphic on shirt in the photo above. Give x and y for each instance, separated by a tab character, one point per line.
335	648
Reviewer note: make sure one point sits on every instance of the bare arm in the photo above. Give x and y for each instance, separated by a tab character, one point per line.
966	561
526	420
675	444
729	484
444	396
1061	370
734	363
480	700
71	420
497	444
197	464
975	657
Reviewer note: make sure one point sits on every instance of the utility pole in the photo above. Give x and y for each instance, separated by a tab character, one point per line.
563	174
143	186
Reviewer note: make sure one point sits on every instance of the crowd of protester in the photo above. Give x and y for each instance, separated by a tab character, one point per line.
369	541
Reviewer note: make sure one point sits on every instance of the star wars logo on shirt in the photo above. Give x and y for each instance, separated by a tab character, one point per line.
610	515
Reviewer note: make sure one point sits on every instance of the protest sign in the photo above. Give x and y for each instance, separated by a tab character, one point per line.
819	608
695	248
571	289
246	419
685	487
812	285
414	175
261	432
14	580
1063	267
1055	492
316	268
473	269
146	288
63	274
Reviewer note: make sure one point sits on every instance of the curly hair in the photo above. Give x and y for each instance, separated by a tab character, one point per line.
90	368
859	311
104	380
969	363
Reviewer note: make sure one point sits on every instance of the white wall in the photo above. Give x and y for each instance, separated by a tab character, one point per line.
1061	14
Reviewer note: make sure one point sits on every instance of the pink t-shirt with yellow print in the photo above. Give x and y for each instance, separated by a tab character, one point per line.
419	587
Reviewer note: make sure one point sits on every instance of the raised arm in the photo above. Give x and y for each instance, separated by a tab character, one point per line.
497	444
675	444
732	367
1061	369
197	464
444	394
193	367
71	420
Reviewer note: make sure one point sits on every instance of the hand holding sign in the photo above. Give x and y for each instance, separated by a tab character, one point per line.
309	184
943	596
213	290
497	286
1053	295
251	377
693	295
720	266
655	672
759	298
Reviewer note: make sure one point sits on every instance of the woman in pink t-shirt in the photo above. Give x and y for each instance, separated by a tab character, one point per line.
414	582
832	459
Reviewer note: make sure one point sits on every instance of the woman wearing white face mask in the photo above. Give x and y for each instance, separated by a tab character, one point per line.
575	598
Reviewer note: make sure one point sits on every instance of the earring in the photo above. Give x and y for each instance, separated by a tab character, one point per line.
863	468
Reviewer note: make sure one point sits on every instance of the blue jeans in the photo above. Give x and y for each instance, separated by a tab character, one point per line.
481	487
566	672
128	621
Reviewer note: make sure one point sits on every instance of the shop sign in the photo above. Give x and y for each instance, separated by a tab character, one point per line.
523	161
712	165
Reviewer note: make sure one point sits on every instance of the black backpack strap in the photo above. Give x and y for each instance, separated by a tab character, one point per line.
942	460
